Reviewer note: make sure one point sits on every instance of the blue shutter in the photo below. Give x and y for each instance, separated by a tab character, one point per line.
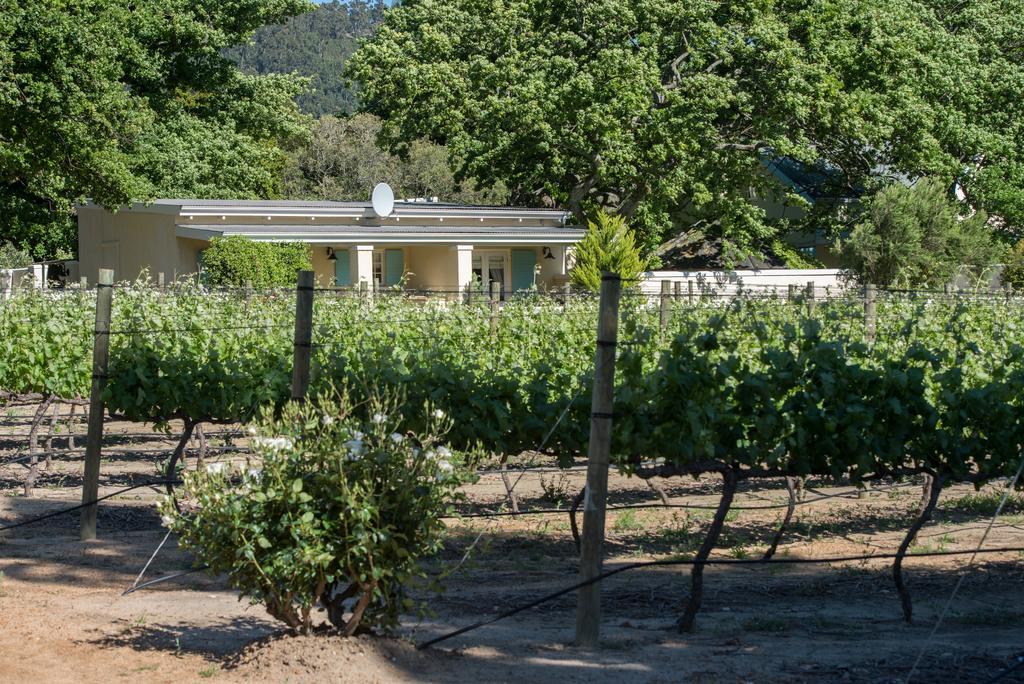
394	267
523	263
342	268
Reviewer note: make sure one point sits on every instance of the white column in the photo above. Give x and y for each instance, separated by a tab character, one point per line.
362	265
568	258
464	266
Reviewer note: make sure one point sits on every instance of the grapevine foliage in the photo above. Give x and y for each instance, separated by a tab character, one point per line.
754	384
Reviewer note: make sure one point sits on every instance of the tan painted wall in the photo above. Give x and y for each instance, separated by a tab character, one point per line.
552	271
128	242
188	254
322	267
432	267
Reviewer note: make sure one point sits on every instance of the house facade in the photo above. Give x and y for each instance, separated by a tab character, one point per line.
421	245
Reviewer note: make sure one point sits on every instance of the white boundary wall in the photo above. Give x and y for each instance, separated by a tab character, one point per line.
35	276
730	282
11	278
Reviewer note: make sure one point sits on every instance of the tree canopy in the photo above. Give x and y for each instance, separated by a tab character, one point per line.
343	162
915	237
661	108
125	101
608	246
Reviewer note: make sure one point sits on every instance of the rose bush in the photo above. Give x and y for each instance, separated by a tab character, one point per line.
333	513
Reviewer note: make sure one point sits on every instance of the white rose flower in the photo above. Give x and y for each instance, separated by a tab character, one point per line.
438	413
273	443
215	468
327	420
355	449
251	430
444	469
166	520
444	452
378	418
397	438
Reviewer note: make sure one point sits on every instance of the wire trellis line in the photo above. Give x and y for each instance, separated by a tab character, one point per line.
168	331
674	562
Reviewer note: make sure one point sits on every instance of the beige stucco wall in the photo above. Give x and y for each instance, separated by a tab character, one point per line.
128	242
188	255
322	267
432	267
552	271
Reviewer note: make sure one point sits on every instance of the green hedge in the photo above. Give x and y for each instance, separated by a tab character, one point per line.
237	260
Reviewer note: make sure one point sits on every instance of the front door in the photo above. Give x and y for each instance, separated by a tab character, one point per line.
489	267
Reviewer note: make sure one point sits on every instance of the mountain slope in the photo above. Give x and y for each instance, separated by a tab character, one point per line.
316	44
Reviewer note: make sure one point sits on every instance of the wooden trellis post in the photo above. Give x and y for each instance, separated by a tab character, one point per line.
588	607
495	305
666	296
94	440
870	315
303	335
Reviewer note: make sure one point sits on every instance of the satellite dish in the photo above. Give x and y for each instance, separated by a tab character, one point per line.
383	200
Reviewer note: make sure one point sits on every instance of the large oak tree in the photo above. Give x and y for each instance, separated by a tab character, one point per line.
123	100
652	108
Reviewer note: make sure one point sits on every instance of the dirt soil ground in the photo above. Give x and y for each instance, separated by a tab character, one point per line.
63	617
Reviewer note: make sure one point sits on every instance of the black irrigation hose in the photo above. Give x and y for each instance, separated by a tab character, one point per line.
709	561
72	509
1010	670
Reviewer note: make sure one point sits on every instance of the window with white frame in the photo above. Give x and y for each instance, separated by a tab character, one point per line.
378	268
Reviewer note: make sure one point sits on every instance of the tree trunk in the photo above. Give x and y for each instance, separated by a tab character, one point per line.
572	518
49	437
730	480
33	445
71	427
509	488
659	490
171	474
933	487
791	489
